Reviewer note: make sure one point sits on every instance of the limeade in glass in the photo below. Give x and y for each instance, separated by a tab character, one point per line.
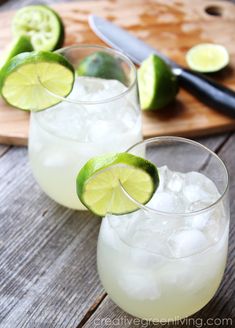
99	116
165	261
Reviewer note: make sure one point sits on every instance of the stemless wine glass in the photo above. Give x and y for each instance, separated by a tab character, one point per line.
165	261
101	115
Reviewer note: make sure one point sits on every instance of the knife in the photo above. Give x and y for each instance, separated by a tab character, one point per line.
205	89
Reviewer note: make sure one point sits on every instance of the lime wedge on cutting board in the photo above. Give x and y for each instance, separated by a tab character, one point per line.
19	45
207	57
42	25
158	86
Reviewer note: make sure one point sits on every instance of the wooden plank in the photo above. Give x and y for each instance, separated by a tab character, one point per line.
178	25
40	240
45	248
227	153
54	239
213	142
47	253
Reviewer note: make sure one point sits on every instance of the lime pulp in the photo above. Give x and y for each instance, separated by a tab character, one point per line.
207	57
101	179
36	80
158	86
42	25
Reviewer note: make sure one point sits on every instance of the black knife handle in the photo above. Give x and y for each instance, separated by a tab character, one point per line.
208	91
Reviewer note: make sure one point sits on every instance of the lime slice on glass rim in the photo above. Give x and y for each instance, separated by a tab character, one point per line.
42	24
101	179
35	81
19	45
158	86
207	57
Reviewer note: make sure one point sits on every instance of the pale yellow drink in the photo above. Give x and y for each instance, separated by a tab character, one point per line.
166	267
63	138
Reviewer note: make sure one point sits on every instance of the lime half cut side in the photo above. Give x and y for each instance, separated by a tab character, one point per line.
36	80
42	25
101	181
158	86
207	57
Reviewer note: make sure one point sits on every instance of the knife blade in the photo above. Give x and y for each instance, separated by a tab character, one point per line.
121	40
205	89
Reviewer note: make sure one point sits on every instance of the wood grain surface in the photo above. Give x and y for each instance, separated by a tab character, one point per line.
48	272
48	276
170	26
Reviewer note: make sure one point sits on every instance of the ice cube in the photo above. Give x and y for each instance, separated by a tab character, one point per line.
99	131
143	236
96	89
109	235
113	88
139	285
122	225
186	274
187	242
65	119
199	221
212	219
211	222
145	259
164	177
176	182
103	130
193	193
128	119
72	118
176	273
214	222
199	188
166	202
86	87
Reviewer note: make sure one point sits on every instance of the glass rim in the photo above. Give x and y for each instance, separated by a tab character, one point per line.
175	214
102	101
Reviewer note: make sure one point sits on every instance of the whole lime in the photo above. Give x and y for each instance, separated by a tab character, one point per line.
103	65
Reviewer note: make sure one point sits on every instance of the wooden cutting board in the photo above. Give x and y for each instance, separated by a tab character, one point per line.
172	26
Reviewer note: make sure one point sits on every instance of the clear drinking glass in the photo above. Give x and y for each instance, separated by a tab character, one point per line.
165	261
101	115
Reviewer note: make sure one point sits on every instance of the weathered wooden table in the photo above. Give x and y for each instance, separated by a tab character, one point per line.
48	272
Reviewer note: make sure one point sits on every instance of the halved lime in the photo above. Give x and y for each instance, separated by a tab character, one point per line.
158	86
207	57
98	183
30	80
103	65
42	24
21	44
